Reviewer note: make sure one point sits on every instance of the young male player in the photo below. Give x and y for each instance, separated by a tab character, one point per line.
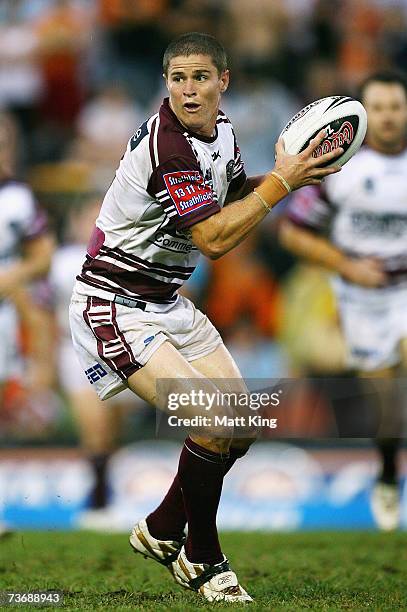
129	324
356	226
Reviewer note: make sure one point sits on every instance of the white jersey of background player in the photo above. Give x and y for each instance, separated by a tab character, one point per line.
363	211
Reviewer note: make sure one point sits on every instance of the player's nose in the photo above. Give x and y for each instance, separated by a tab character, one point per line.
189	88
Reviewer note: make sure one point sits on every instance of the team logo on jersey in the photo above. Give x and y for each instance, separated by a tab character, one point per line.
230	166
138	136
188	190
95	373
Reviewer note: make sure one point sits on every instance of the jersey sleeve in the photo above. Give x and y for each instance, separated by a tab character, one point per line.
179	186
310	208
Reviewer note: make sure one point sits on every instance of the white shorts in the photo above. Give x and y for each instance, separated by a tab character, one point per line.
113	341
10	357
373	322
71	375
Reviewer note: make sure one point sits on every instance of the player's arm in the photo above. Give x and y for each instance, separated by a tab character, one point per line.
35	263
316	249
221	232
248	186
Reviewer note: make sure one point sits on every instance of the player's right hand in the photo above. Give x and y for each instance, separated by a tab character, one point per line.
366	272
304	169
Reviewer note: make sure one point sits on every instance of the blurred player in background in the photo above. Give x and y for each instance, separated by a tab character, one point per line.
130	326
25	252
98	424
355	224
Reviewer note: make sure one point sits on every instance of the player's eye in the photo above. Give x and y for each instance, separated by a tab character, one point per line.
177	78
201	77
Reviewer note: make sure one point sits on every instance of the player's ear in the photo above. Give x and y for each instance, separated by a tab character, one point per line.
224	81
165	79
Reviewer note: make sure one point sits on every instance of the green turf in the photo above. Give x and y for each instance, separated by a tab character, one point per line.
323	571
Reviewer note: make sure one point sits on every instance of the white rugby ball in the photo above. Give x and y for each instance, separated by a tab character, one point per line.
342	117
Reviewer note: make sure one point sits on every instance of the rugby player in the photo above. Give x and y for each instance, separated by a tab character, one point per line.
129	325
25	254
98	425
356	226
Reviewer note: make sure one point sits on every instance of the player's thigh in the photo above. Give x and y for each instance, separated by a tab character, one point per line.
166	369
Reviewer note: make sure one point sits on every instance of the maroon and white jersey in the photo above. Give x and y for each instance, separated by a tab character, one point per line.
362	209
168	180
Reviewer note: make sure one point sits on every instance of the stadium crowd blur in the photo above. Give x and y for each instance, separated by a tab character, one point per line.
77	77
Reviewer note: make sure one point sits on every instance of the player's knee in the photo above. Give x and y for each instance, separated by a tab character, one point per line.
215	445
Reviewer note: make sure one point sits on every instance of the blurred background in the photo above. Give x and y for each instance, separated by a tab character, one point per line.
77	77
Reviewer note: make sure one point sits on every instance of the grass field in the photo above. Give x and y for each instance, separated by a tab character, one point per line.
322	571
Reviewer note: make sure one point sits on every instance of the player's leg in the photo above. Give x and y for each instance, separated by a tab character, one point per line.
202	464
371	322
98	427
97	424
200	475
220	367
146	367
387	403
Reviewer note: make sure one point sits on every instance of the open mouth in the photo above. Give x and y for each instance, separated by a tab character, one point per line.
192	107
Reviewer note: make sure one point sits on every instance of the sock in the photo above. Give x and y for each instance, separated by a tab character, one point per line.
168	521
200	474
98	497
388	448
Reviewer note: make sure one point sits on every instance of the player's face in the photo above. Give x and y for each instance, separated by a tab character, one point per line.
195	87
386	106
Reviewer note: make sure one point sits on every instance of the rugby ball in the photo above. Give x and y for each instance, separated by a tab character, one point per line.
344	120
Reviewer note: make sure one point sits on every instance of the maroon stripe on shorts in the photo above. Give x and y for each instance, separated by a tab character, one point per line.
123	363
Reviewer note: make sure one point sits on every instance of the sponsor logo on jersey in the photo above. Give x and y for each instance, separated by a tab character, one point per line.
336	139
215	155
95	373
188	190
367	223
170	243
